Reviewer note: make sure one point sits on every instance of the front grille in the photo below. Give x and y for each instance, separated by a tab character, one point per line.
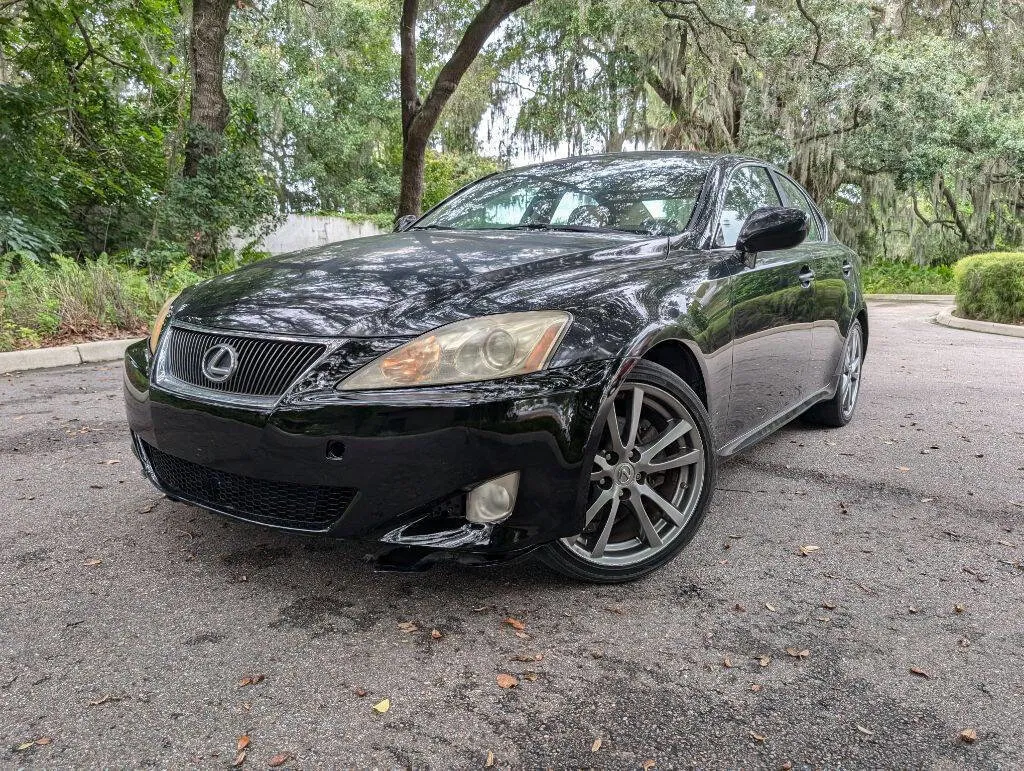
266	367
283	504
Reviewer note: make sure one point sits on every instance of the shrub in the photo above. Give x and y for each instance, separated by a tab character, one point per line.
990	287
890	277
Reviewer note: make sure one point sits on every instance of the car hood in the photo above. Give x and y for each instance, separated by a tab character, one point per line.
391	285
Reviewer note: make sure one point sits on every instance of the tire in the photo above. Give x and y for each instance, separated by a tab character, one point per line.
651	484
838	411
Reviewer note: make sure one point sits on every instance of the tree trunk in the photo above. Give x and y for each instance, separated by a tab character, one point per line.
208	107
420	117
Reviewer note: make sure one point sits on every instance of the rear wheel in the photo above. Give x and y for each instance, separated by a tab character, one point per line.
838	411
651	482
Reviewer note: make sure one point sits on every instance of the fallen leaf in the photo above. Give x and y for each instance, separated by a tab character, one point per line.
727	663
408	627
798	654
515	623
110	462
864	730
903	468
919	672
756	687
828	606
250	680
279	759
239	760
809	549
648	765
770	606
787	766
969	735
531	676
596	745
506	681
104	700
764	659
382	706
24	746
361	692
959	608
93	562
436	634
243	742
490	759
522	635
756	737
44	740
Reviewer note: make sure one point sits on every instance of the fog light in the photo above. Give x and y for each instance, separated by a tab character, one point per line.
492	501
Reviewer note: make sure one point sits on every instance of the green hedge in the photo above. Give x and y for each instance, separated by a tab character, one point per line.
990	287
893	277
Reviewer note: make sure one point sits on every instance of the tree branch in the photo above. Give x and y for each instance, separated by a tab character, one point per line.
817	37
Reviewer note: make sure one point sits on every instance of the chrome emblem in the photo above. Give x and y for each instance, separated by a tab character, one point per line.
219	362
624	473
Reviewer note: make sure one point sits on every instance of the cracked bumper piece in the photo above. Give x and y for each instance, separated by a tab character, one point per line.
391	467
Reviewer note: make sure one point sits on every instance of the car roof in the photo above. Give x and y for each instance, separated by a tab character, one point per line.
688	159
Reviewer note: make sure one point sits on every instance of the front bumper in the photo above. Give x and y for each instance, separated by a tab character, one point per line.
395	465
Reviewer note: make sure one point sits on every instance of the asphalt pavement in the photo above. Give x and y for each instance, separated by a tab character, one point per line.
855	599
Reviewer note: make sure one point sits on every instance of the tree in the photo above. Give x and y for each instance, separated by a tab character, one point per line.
420	116
208	106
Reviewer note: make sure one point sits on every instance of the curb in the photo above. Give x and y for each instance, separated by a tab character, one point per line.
65	355
912	298
946	318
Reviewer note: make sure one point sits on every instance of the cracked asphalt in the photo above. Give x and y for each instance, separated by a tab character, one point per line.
917	510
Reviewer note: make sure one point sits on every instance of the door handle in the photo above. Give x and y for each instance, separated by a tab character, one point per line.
847	267
806	276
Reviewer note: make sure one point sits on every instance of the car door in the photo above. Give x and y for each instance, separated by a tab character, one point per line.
771	339
830	263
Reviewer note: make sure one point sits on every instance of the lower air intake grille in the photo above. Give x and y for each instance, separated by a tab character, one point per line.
265	366
282	504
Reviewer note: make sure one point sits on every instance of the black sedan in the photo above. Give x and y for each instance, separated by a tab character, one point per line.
553	359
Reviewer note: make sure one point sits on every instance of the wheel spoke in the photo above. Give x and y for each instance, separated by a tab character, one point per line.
597	505
687	458
673	434
615	431
650	532
605	468
634	417
667	508
606	532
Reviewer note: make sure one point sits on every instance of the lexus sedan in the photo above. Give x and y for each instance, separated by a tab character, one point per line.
553	360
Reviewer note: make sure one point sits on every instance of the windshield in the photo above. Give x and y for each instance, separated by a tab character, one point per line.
651	196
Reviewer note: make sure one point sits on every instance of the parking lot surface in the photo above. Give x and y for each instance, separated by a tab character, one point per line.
855	598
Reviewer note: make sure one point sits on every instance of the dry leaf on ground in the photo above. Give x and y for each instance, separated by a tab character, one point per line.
490	759
506	681
382	706
919	672
243	742
798	654
596	745
515	623
280	759
969	735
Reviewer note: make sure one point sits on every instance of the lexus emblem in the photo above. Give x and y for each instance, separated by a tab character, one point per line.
219	362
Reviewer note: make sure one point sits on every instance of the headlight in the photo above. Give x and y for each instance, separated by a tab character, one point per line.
483	348
158	324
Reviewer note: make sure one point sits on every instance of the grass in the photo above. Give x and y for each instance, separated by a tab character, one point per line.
886	277
63	301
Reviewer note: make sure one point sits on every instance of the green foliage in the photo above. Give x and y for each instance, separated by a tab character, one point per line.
445	173
889	277
230	194
64	298
990	287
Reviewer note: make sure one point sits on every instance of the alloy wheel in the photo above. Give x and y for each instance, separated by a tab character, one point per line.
849	380
646	480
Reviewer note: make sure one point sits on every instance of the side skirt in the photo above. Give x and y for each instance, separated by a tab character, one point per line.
773	424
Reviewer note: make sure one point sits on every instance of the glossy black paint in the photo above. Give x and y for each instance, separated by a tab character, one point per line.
761	341
771	228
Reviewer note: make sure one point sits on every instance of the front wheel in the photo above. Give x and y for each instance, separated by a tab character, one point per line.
651	482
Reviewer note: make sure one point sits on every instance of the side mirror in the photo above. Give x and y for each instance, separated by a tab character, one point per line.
404	222
770	228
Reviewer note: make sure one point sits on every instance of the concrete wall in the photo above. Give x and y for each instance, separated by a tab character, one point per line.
301	231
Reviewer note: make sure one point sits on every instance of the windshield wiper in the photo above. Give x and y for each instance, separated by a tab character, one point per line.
569	228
